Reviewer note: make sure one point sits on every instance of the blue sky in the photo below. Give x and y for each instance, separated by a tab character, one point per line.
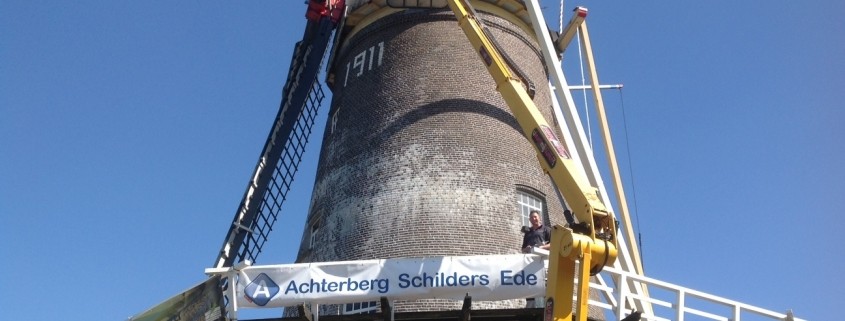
129	130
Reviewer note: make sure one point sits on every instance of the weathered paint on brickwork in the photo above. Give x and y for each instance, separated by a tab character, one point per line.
421	156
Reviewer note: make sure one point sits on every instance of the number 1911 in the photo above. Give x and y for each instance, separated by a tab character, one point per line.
364	61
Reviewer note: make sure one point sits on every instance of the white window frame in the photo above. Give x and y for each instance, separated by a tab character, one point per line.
526	202
315	229
360	307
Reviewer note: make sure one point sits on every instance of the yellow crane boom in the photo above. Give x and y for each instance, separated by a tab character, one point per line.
592	240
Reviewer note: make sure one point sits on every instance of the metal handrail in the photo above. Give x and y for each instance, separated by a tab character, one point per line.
672	301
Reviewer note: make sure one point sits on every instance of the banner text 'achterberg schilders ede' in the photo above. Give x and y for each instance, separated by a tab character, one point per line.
488	277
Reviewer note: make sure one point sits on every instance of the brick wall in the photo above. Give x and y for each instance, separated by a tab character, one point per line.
421	156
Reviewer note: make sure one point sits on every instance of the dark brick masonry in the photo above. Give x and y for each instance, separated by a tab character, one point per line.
421	156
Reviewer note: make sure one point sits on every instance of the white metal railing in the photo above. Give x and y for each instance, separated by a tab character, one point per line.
624	291
670	302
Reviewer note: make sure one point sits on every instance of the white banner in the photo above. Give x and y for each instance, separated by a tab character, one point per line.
484	278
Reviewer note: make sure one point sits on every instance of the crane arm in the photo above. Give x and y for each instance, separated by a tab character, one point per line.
592	240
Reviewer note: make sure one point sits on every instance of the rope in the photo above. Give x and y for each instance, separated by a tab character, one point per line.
631	170
584	93
560	17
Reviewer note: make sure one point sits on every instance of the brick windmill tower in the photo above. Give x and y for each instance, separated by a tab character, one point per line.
420	155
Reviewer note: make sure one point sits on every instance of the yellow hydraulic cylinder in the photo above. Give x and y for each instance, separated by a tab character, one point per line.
567	250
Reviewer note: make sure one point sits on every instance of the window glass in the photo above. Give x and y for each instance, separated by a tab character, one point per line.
360	307
527	202
315	228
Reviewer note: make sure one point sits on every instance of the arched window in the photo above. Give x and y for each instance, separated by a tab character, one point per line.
527	201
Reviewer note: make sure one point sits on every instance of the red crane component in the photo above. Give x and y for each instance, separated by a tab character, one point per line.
325	8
